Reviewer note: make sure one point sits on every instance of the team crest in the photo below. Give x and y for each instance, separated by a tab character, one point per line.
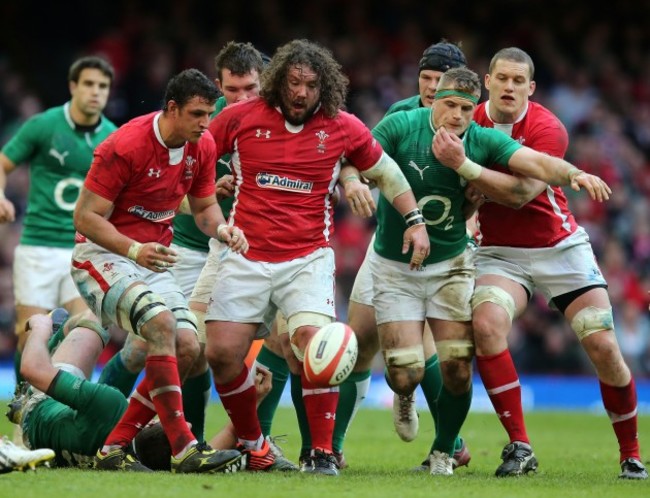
322	136
189	163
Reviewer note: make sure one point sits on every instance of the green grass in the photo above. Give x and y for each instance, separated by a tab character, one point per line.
577	452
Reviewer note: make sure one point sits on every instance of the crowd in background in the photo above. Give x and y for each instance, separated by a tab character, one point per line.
592	71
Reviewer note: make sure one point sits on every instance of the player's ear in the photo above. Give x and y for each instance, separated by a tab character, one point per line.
172	106
531	88
217	82
487	81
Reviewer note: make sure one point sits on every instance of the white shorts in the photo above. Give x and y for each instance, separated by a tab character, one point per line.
251	291
441	290
362	288
95	270
568	266
42	276
187	270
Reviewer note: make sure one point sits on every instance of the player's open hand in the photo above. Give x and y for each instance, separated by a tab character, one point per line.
7	210
448	148
225	187
156	257
418	237
596	186
359	198
234	237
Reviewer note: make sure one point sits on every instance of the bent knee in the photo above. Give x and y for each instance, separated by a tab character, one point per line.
404	380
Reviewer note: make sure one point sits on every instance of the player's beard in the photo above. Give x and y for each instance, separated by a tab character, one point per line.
298	121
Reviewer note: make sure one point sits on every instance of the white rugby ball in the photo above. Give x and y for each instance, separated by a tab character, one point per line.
331	355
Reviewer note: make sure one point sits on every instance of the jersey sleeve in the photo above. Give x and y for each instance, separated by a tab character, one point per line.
109	171
363	150
386	132
498	147
204	184
24	143
550	137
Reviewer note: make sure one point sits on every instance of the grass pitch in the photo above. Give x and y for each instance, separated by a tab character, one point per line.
577	452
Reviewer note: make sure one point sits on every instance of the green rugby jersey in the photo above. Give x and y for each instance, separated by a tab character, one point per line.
76	420
407	137
405	105
186	233
59	157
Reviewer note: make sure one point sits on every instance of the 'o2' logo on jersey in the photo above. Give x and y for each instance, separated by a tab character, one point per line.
66	193
267	180
441	206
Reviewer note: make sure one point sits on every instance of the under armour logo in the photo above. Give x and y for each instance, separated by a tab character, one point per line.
505	414
330	416
417	168
154	172
58	156
265	134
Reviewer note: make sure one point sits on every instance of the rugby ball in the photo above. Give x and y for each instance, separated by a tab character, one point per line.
331	355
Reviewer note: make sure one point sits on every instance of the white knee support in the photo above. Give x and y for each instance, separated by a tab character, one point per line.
200	325
455	350
591	319
495	295
302	319
71	369
186	319
95	327
410	357
137	306
281	323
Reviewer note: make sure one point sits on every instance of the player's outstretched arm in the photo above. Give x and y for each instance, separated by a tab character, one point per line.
556	171
449	150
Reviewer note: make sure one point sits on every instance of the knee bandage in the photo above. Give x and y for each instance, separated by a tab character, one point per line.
97	328
71	369
200	325
591	319
411	357
137	306
455	350
495	295
186	319
303	319
281	323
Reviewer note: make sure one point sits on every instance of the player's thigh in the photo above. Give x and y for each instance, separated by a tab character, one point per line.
243	294
449	288
305	284
188	268
362	287
568	266
399	294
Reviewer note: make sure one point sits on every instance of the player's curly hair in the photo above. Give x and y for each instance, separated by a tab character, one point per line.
333	83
